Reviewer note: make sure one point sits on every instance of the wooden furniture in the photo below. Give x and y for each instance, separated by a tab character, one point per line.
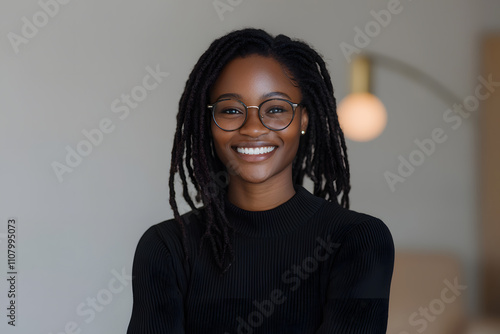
429	295
489	181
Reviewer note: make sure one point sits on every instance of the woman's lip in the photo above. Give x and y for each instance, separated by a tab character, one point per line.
254	144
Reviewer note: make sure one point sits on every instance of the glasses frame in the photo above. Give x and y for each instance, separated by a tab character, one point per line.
261	117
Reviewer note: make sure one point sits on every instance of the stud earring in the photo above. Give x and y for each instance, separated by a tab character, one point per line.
302	132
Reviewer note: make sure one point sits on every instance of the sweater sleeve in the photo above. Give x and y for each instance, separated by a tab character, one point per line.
359	281
158	302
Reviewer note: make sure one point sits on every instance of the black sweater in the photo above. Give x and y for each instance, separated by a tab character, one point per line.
306	266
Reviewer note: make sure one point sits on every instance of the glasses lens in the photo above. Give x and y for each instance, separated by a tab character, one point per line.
229	114
276	114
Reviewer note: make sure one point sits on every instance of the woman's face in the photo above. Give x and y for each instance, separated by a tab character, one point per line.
252	80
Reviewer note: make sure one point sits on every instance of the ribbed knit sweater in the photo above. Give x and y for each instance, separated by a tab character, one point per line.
306	266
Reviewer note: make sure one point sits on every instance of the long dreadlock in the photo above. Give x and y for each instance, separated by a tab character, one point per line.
322	150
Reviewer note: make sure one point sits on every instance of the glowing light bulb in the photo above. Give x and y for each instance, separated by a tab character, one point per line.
362	116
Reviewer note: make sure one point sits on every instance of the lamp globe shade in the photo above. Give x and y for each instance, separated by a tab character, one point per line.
362	116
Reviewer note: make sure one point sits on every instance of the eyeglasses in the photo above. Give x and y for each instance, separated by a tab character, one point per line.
274	114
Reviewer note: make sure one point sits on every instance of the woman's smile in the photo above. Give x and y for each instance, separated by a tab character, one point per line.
254	152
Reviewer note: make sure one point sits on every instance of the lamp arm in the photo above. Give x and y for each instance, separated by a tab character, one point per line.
415	74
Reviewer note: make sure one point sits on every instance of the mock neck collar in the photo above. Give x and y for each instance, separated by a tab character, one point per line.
280	220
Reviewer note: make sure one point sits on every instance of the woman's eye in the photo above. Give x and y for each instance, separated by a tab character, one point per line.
275	110
231	111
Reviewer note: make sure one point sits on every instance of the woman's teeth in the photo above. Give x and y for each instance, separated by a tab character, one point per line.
255	150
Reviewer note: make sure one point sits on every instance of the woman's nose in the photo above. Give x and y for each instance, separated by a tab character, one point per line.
253	126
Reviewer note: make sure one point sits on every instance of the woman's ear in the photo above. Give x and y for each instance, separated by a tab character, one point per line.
304	119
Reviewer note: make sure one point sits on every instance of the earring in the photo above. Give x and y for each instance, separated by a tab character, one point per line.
302	132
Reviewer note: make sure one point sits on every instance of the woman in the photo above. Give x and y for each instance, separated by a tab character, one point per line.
262	255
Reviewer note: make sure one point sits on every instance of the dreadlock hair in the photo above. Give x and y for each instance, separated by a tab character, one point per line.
322	150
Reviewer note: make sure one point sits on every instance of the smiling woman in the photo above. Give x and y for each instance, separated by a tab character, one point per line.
270	127
262	254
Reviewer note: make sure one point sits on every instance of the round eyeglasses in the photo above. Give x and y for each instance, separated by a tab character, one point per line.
274	114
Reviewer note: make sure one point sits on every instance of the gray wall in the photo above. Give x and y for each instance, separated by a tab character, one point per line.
77	232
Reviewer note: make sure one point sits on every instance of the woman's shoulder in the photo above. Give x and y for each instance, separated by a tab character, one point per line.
347	224
332	219
168	234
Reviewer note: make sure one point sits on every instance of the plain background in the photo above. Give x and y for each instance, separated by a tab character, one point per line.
73	234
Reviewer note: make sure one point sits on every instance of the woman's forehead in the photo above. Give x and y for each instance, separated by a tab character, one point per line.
254	76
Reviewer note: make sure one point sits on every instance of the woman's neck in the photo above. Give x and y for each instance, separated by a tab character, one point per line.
260	196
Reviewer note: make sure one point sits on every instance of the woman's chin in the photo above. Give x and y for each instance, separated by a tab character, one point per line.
254	177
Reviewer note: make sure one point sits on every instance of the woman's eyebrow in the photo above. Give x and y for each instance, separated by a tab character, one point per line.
265	96
273	94
229	95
